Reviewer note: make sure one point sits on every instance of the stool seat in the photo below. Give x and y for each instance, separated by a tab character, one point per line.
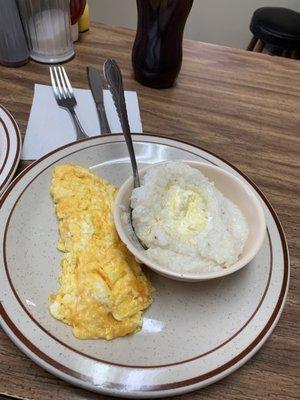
278	26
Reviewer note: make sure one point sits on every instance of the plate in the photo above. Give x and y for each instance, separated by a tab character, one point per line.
10	147
193	334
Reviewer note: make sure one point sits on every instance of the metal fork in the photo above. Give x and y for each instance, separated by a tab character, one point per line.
64	96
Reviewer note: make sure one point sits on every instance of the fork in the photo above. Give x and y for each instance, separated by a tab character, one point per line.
64	95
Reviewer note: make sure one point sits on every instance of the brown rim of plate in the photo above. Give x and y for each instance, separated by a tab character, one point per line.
181	384
95	358
18	152
8	145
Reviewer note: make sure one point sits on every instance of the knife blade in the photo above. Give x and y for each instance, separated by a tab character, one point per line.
94	79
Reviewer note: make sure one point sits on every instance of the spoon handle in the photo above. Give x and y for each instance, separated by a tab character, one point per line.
114	80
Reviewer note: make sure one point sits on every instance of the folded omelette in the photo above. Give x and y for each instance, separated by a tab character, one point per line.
102	288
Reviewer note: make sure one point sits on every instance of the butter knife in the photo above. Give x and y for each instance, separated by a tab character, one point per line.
95	83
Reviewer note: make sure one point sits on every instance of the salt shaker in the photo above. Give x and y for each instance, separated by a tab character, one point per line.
13	47
47	27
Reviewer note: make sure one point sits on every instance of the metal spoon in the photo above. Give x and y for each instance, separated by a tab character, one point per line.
114	80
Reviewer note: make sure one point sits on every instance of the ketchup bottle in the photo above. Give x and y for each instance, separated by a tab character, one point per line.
76	10
157	50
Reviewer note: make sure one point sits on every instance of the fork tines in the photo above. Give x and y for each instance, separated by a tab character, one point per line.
60	83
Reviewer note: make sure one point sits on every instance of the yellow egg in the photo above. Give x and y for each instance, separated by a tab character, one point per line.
102	288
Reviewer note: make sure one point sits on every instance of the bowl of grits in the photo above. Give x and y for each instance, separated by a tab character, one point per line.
196	221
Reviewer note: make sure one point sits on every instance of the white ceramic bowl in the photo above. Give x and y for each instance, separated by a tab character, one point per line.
240	192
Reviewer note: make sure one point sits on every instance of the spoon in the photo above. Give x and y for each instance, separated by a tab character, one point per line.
114	80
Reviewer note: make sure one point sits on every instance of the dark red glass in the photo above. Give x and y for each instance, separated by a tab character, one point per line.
157	50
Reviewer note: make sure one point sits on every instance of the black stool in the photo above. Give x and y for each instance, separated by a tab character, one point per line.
276	31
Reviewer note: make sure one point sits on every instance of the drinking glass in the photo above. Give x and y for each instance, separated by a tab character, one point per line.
157	49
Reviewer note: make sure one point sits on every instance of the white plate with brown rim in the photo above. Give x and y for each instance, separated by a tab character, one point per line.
193	334
10	147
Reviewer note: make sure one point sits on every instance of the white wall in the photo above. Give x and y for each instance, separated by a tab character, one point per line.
214	21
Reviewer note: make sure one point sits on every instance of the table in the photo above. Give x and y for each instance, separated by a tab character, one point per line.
241	105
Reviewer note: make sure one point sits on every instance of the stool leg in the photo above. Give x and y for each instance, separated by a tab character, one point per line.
295	54
252	43
259	46
275	51
286	53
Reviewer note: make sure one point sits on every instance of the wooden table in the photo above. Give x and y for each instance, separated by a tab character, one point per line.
243	106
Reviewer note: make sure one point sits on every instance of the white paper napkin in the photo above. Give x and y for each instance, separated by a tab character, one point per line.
50	126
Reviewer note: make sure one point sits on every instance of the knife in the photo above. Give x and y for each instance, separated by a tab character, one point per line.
95	83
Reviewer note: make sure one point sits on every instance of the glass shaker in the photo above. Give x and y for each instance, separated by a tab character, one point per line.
48	29
13	47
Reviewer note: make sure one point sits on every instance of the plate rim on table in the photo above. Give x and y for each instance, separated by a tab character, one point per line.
12	150
34	352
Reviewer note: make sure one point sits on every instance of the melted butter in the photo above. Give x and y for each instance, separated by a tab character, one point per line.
184	212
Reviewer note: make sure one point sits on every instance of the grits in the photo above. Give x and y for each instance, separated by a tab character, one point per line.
185	221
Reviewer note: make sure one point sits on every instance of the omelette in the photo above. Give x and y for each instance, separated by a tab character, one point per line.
103	289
